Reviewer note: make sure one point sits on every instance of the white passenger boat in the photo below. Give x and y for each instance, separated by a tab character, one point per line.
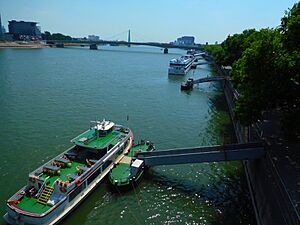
58	186
181	66
194	53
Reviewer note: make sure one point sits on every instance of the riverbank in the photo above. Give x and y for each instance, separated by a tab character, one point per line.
273	180
21	44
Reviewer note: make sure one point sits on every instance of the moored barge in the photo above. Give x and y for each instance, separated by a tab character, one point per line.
129	171
181	66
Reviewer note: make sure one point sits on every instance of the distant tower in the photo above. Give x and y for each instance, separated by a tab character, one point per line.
0	26
128	38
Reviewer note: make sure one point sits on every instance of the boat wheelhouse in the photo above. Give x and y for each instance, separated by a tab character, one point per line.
55	188
181	66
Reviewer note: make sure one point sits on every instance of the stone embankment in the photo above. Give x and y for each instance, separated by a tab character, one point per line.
273	181
22	44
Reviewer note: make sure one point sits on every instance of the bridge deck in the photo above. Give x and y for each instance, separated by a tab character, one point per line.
104	42
204	154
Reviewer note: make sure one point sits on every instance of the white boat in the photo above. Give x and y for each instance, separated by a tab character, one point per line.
181	65
58	186
194	53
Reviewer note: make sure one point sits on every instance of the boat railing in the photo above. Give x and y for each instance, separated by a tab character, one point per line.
124	181
97	165
19	194
38	172
102	160
121	181
42	188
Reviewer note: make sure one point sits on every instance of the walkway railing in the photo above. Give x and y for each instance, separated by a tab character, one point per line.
216	153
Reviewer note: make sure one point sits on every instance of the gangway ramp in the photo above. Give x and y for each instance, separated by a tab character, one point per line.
217	153
209	79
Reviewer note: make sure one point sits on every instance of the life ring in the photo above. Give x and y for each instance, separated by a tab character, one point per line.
77	183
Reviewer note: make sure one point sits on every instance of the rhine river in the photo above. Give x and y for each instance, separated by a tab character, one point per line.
48	96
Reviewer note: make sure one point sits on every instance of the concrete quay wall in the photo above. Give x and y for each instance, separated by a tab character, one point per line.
270	196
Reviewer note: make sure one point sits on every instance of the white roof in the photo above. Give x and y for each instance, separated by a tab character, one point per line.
104	125
137	163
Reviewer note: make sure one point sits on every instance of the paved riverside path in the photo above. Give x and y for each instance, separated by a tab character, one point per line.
284	158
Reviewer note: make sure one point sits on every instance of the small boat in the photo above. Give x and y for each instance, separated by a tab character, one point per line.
188	85
127	173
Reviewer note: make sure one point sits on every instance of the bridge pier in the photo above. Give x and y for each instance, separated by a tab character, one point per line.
93	47
59	45
166	50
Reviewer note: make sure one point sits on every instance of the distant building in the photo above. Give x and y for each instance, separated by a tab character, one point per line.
186	40
93	38
24	30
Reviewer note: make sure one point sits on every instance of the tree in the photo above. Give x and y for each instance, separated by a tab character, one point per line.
55	36
46	35
290	28
257	76
59	36
266	70
235	45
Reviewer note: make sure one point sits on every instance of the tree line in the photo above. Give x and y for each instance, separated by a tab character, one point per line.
265	69
55	36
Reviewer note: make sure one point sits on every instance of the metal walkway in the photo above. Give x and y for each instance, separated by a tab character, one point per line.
209	79
203	154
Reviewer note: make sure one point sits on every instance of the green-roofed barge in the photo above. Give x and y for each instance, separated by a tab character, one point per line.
127	173
58	186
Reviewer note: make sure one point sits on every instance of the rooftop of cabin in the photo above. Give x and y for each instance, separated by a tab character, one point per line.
99	136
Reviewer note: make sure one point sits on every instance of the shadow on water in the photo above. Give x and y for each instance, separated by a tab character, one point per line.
221	185
176	78
221	123
219	194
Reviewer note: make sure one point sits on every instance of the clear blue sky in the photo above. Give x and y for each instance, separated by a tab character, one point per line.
149	20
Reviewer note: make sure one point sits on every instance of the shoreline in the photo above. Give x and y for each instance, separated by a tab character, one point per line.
21	44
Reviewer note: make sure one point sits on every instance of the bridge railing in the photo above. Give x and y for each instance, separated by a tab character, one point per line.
203	154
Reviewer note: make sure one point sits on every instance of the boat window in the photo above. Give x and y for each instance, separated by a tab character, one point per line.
106	164
76	192
93	176
103	133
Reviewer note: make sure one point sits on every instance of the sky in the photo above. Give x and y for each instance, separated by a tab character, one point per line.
148	20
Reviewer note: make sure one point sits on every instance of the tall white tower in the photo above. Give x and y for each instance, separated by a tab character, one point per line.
0	26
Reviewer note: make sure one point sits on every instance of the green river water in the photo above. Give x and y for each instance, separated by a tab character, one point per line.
48	96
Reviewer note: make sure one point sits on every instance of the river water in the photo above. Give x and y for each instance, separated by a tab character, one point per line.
48	96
